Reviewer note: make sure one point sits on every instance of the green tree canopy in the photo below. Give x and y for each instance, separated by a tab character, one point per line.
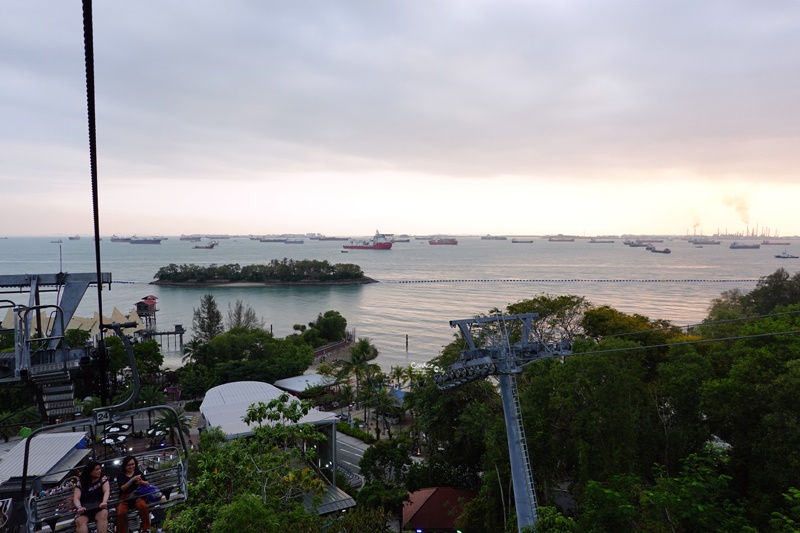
207	320
255	354
332	326
285	270
242	316
779	289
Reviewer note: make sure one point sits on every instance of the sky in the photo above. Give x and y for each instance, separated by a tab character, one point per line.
518	117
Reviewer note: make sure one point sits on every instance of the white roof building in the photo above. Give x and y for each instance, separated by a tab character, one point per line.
225	405
299	384
48	452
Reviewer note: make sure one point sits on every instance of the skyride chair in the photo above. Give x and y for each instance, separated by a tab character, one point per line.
42	360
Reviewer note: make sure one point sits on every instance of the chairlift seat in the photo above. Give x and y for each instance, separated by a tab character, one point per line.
56	511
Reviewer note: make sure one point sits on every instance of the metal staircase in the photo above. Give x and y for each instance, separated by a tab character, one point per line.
57	394
523	444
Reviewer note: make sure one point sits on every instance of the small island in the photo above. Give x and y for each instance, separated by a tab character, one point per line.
306	272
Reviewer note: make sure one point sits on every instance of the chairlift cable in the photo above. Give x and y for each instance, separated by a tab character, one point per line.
88	42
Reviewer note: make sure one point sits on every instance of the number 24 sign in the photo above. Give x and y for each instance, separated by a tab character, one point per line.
102	417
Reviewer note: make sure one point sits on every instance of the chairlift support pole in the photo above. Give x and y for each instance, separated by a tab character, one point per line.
505	344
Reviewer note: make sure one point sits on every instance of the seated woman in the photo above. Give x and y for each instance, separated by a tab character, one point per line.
129	479
90	497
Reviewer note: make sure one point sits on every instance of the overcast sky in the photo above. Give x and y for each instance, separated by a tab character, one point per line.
426	116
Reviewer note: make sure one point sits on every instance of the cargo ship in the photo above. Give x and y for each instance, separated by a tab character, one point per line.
443	240
145	240
378	242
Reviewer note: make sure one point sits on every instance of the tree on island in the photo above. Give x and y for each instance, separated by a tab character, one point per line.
280	271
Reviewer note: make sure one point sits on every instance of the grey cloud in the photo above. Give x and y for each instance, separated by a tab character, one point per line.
468	88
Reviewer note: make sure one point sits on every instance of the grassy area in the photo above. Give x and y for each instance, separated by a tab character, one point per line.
344	427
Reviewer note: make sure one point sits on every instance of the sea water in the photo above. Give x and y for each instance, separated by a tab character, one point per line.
421	287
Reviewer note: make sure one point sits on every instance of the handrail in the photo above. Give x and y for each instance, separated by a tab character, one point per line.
117	327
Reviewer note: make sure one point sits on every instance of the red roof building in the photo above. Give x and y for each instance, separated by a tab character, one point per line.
434	509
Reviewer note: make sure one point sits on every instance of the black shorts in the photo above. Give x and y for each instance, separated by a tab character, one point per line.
91	514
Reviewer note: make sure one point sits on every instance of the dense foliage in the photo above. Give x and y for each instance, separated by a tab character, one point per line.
255	484
286	270
647	427
246	351
328	327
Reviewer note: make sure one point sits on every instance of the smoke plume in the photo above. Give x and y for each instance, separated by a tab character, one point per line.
739	203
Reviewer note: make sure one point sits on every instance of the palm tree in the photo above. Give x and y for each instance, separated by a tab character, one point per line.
149	396
397	374
172	422
361	353
192	351
374	381
412	375
383	405
346	396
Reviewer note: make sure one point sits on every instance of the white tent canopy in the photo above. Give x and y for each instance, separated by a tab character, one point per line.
87	324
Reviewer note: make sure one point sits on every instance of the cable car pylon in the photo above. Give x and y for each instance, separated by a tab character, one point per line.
501	346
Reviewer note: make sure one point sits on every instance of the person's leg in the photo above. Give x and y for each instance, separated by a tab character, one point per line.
82	524
122	517
144	514
101	521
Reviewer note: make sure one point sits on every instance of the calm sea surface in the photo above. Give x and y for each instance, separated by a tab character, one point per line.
422	287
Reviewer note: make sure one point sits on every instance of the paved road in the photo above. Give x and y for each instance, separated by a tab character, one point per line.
349	451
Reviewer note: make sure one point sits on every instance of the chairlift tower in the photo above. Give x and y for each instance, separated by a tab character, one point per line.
501	346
